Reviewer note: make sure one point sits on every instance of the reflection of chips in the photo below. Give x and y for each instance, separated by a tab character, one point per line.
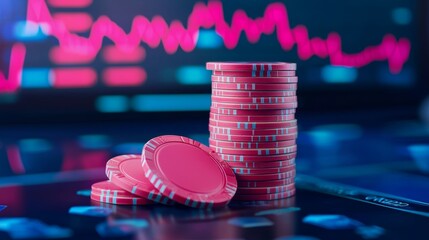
120	228
20	228
90	211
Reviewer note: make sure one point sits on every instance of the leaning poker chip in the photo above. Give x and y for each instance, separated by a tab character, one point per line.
264	197
250	158
266	177
254	73
228	79
255	152
255	118
252	171
256	106
253	125
265	190
235	93
112	199
251	145
125	171
262	164
254	86
107	188
271	183
178	167
239	112
272	131
255	100
251	66
253	138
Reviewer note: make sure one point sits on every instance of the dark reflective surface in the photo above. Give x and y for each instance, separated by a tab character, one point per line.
47	170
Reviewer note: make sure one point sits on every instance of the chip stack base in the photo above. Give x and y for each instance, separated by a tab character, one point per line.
253	127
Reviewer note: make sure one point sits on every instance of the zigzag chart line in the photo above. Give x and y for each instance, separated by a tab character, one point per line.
156	31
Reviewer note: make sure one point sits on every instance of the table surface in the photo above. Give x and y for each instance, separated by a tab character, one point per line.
44	192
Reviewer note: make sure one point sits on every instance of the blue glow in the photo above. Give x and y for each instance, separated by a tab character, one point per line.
112	104
90	211
2	207
402	16
279	211
332	222
420	155
339	132
29	31
370	232
94	141
129	148
402	79
338	74
193	75
36	78
209	39
85	193
34	145
28	228
250	222
171	102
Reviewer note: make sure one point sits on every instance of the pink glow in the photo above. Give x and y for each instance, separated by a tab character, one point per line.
124	76
17	57
74	77
174	35
275	21
63	56
113	54
70	3
74	22
15	160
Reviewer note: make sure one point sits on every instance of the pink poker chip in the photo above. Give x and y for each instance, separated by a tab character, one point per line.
188	172
126	172
251	66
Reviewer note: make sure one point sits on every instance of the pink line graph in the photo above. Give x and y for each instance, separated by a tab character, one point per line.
275	20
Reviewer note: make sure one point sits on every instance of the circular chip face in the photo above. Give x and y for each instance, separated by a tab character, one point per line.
264	197
254	86
254	73
251	66
179	168
250	106
227	79
120	200
253	125
239	112
272	183
255	152
250	158
254	100
251	145
107	188
126	172
262	164
251	171
235	93
265	190
266	177
256	118
253	138
272	131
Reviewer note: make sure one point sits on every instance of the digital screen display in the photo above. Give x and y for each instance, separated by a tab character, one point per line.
126	53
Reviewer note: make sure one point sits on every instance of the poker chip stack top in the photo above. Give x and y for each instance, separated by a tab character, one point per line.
253	127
